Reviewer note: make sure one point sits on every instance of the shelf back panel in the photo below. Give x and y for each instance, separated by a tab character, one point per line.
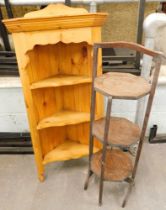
55	136
49	101
59	59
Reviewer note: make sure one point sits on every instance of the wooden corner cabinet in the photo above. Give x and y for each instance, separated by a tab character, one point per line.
54	53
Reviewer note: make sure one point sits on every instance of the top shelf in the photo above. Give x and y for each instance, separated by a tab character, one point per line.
122	85
61	80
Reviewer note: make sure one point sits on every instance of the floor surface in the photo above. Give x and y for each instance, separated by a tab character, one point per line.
63	188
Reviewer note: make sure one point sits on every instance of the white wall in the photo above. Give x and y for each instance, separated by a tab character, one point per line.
12	109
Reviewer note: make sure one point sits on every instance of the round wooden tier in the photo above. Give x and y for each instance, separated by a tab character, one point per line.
122	132
118	165
122	85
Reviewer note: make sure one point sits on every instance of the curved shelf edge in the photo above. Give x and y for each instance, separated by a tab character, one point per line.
122	132
61	80
64	118
122	85
67	150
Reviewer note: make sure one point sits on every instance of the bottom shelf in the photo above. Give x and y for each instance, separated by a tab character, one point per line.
67	150
118	165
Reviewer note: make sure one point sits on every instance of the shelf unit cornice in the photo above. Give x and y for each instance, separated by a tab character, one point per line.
55	23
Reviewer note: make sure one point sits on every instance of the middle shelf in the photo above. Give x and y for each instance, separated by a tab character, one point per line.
63	118
122	132
61	80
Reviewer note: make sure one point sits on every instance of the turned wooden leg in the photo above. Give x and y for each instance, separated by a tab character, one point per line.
41	177
40	170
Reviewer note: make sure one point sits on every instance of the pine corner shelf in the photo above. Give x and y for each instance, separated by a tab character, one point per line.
54	48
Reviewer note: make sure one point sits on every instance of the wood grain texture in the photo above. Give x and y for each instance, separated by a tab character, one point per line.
64	118
59	59
122	85
118	165
48	39
55	23
49	101
52	18
53	137
61	80
31	111
67	150
122	132
58	107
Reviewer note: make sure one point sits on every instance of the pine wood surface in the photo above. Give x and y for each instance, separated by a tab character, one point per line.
49	63
61	80
59	59
67	150
64	118
49	101
31	112
118	165
49	54
122	132
25	25
60	37
122	85
55	16
53	137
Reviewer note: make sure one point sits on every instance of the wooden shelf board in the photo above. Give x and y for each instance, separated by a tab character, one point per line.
67	150
122	132
122	85
64	118
61	80
118	165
